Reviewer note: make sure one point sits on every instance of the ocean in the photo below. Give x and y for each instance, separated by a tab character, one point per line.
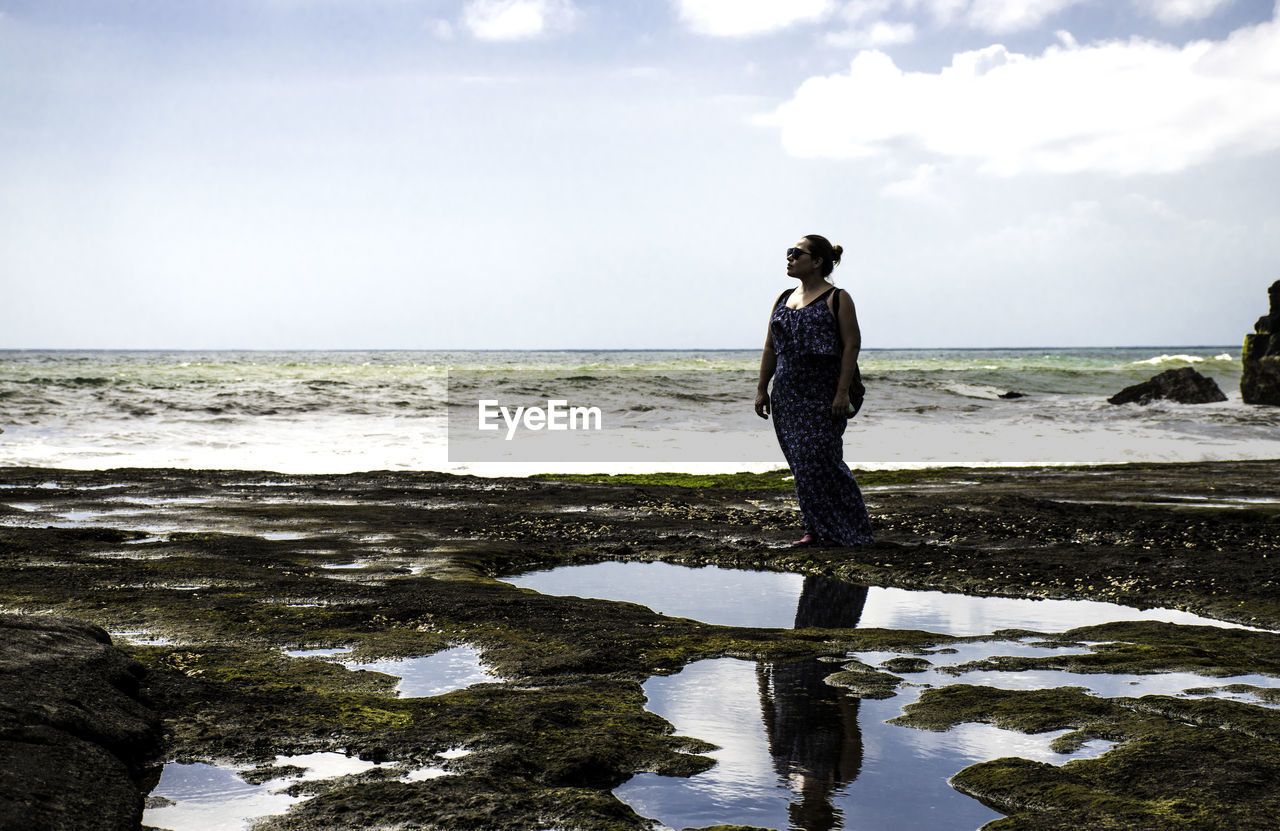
339	412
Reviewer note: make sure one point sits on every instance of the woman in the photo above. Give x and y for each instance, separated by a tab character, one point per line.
811	353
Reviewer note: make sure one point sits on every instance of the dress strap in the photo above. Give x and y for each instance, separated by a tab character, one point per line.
782	298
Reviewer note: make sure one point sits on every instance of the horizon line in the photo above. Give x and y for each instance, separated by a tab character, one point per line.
595	349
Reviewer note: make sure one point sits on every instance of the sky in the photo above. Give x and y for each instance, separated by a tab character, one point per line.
583	174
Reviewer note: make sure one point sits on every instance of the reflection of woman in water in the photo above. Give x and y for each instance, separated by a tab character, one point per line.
811	354
812	726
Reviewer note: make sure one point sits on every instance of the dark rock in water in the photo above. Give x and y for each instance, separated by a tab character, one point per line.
77	748
1260	382
1011	394
1185	386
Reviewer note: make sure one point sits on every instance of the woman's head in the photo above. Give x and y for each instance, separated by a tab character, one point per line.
825	256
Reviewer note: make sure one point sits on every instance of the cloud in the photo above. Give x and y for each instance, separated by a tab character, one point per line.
442	29
1174	12
1008	16
880	33
1129	107
918	188
1002	16
516	19
740	18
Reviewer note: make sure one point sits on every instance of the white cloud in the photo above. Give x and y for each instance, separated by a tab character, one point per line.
918	188
1174	12
516	19
1001	16
946	11
740	18
1032	235
442	29
880	33
1006	16
1118	107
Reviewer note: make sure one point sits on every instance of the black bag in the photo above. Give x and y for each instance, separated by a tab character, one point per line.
857	391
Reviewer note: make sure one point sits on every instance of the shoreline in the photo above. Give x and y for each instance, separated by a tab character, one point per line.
229	568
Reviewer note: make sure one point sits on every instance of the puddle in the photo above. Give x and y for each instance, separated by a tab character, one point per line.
209	797
264	484
445	671
317	653
735	597
1232	502
797	753
1107	685
423	774
142	638
138	514
157	501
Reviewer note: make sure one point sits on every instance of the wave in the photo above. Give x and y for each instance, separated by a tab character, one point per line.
1184	359
91	381
975	391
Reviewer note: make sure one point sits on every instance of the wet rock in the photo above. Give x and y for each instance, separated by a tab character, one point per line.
862	681
1260	381
907	664
77	747
1012	394
1185	386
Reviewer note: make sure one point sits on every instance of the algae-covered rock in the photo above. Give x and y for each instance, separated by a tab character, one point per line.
76	745
907	664
864	682
1185	386
1179	765
1260	357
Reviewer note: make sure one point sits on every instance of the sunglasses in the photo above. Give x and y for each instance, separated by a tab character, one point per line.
794	253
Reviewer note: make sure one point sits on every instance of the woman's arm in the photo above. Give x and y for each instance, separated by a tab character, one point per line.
851	338
768	364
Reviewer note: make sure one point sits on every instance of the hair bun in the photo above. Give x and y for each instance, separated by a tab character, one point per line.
836	251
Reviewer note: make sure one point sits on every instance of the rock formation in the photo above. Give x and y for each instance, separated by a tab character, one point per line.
1260	383
1185	386
77	748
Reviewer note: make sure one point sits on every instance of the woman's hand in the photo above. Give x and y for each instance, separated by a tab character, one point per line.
840	406
762	403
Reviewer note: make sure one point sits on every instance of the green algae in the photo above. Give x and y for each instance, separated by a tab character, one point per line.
1138	647
567	716
1179	764
1266	695
907	665
771	480
862	681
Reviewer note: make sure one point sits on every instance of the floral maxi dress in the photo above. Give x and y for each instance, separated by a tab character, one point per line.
807	345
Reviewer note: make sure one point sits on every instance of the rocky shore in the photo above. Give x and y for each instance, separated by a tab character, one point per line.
226	569
77	748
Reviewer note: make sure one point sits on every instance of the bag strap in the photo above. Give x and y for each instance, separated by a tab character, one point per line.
835	313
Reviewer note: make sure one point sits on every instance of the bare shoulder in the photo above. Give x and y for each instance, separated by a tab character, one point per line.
844	297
